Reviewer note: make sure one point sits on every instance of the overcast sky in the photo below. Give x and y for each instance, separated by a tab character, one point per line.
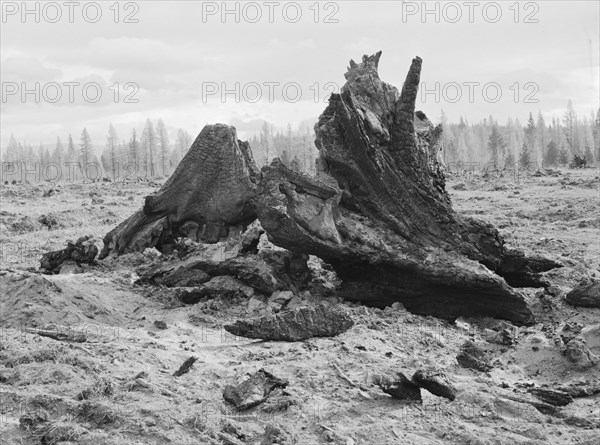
179	57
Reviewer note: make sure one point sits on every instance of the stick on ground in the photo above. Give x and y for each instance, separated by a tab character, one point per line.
57	335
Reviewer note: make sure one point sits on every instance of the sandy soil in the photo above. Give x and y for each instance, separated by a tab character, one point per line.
63	392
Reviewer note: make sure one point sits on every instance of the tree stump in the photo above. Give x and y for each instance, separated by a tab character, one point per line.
211	190
380	215
378	210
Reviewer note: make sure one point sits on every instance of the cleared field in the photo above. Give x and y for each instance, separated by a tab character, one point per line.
118	387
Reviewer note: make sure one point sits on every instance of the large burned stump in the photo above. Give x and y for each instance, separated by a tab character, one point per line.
378	210
380	214
212	190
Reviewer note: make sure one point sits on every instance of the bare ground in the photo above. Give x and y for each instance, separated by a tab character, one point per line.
118	387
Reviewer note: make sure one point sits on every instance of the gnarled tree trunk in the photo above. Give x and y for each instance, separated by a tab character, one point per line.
378	211
380	214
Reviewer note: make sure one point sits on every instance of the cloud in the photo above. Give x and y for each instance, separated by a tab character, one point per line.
143	54
28	69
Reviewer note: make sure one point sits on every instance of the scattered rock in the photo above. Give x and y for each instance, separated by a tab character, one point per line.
294	325
274	435
579	354
400	388
397	306
254	390
160	324
569	331
506	336
460	186
473	357
436	383
585	295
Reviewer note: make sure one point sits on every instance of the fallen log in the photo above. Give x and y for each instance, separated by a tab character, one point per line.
294	325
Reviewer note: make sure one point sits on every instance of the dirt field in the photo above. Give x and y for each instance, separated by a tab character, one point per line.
118	387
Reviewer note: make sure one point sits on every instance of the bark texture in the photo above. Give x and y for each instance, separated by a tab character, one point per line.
379	212
585	295
294	325
212	190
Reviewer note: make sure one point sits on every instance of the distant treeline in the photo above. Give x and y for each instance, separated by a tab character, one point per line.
153	153
537	143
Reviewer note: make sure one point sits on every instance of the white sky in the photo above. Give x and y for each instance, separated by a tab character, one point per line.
174	51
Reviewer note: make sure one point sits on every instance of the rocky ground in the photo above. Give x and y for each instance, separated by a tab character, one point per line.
117	386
